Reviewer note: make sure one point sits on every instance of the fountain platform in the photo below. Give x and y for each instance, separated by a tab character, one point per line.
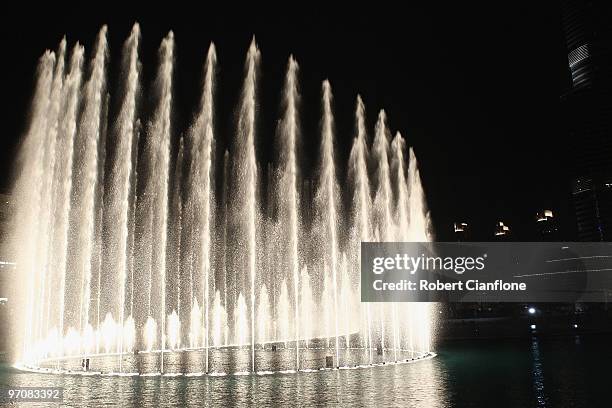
224	361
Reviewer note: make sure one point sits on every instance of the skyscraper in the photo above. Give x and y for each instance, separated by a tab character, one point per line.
587	108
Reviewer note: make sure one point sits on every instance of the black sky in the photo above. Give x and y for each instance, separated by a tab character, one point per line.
474	88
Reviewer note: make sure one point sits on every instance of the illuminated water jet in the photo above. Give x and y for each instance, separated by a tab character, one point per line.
146	266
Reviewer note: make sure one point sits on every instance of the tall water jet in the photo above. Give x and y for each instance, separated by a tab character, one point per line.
99	236
66	135
362	202
245	199
229	287
116	213
188	300
87	167
402	203
345	295
158	149
132	216
419	215
327	199
27	192
287	193
419	231
383	198
402	212
47	256
202	194
175	232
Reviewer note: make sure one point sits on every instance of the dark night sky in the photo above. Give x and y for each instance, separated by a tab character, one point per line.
475	89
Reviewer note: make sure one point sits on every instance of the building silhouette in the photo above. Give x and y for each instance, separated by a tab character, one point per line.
587	107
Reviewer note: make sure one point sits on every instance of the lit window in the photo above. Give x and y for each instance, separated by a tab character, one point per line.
577	55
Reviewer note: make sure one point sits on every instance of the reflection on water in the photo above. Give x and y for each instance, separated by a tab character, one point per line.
563	372
538	373
410	385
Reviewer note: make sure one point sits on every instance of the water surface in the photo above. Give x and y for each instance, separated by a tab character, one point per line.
555	372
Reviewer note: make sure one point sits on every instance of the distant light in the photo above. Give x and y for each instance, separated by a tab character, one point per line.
575	326
501	229
460	226
544	215
533	327
532	310
3	301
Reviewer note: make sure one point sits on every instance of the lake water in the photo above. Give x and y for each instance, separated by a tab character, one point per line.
552	372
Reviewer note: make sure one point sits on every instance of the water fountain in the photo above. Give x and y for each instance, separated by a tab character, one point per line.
132	257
